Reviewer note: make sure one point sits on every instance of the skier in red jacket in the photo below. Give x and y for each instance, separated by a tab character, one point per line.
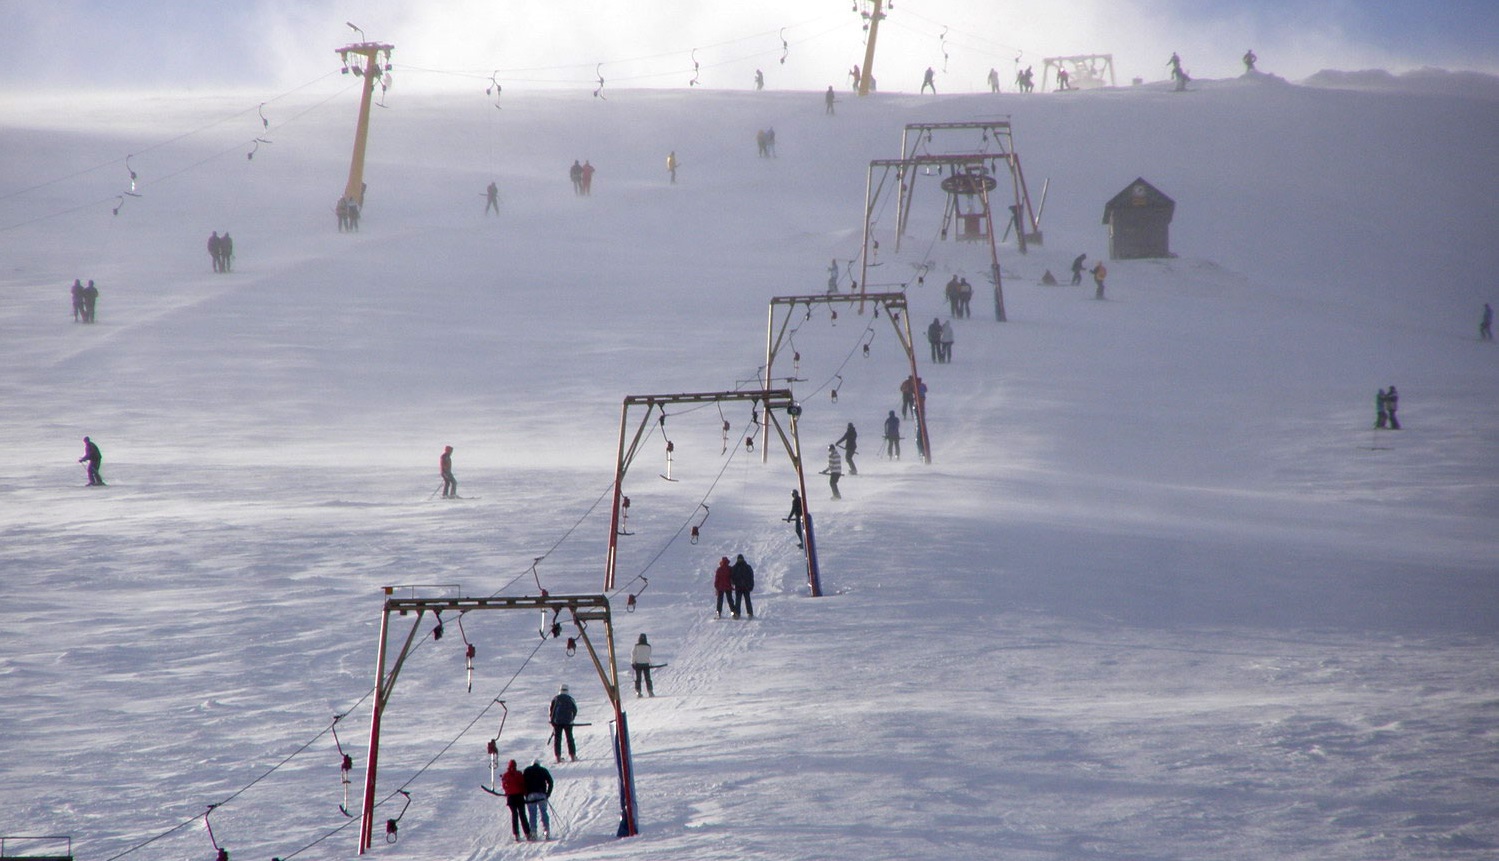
723	583
513	784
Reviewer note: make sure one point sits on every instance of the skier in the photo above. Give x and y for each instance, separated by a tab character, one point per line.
827	100
759	80
671	166
760	144
445	469
834	470
78	300
993	80
856	76
587	177
342	209
1100	272
744	583
950	293
795	517
564	712
513	784
1077	269
1381	411
770	141
965	295
353	215
934	337
946	341
723	584
538	789
216	251
850	443
927	80
907	397
892	436
93	457
492	199
640	662
226	251
575	173
1485	326
1063	80
538	783
833	276
90	299
1391	402
1249	60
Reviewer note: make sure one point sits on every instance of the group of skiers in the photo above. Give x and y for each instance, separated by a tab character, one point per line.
84	300
348	215
582	177
526	794
1099	273
959	293
734	583
940	336
765	142
221	249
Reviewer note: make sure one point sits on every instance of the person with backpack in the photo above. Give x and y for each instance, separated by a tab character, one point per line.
564	711
723	584
513	784
538	788
640	662
1100	272
744	583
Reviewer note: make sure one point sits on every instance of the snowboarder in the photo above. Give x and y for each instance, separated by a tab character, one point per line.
564	711
226	251
834	470
538	790
78	300
513	784
216	251
93	457
1485	326
759	80
1381	411
827	100
445	469
1100	272
640	662
575	173
723	584
892	436
671	166
1077	269
934	337
1249	60
795	517
946	341
850	443
993	80
744	583
1391	402
90	300
928	80
588	169
492	199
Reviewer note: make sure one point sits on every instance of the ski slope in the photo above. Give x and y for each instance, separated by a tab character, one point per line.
1161	594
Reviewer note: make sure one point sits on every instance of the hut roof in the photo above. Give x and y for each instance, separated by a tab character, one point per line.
1138	194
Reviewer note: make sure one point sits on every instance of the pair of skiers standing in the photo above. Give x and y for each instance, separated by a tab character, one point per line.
526	793
734	583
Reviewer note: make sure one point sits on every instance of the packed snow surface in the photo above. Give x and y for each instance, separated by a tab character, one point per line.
1162	592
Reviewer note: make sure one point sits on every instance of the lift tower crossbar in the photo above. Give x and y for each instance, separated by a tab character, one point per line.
581	608
895	311
769	400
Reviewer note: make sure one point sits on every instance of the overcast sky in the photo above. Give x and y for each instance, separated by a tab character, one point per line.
174	44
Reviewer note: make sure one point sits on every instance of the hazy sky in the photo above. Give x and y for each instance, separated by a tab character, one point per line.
459	43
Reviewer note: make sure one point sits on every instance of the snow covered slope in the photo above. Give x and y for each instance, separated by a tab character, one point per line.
1161	594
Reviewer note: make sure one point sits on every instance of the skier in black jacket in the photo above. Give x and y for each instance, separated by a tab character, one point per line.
93	457
850	443
564	712
744	583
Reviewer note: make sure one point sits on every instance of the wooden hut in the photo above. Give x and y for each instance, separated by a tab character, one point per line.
1139	221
